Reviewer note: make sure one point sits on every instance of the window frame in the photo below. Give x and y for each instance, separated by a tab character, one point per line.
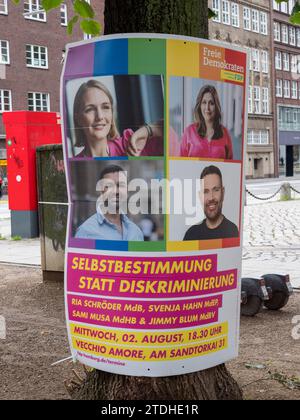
284	39
279	88
265	101
286	89
263	23
34	99
235	15
36	16
256	100
294	89
264	62
226	12
216	7
285	61
32	47
2	100
8	53
247	10
255	21
63	12
5	8
277	31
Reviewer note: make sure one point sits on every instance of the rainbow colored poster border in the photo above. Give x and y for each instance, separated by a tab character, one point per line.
153	55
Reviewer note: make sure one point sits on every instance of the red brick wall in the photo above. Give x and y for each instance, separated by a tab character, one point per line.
19	32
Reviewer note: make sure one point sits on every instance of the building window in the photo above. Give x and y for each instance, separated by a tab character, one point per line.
264	61
294	89
235	15
292	35
255	20
258	137
298	37
38	101
264	137
284	7
31	6
225	12
5	100
265	100
250	100
255	60
36	56
4	52
278	88
247	18
284	34
263	23
250	58
278	60
3	7
293	63
286	61
277	31
256	94
216	6
276	6
286	89
291	6
63	15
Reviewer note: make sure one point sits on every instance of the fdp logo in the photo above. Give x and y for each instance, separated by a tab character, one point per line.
2	328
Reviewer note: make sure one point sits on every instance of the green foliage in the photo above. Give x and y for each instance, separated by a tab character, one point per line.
211	14
16	238
83	9
71	24
83	13
295	16
51	4
91	27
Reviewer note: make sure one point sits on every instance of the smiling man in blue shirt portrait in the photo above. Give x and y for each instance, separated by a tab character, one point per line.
109	222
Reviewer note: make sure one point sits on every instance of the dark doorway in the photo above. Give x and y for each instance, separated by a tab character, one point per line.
289	161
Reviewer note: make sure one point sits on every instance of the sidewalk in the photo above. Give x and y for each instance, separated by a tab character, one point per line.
19	252
271	241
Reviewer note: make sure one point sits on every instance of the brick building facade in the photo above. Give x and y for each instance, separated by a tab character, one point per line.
31	49
286	47
249	24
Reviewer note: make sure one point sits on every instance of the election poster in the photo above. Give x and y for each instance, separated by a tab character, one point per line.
154	140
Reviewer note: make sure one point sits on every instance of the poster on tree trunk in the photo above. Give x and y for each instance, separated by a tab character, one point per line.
154	140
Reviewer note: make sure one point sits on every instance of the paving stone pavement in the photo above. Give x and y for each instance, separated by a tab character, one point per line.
271	242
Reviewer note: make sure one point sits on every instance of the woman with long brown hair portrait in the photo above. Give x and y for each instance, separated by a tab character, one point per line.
207	137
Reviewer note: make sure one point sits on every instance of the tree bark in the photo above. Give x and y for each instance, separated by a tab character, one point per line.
180	17
211	384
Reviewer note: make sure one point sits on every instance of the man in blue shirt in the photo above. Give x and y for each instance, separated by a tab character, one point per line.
109	222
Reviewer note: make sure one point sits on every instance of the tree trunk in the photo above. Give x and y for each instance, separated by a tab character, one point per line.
181	17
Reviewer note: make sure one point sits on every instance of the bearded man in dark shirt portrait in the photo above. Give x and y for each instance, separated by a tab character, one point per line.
215	225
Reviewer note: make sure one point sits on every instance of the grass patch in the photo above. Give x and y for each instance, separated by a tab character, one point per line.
16	238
